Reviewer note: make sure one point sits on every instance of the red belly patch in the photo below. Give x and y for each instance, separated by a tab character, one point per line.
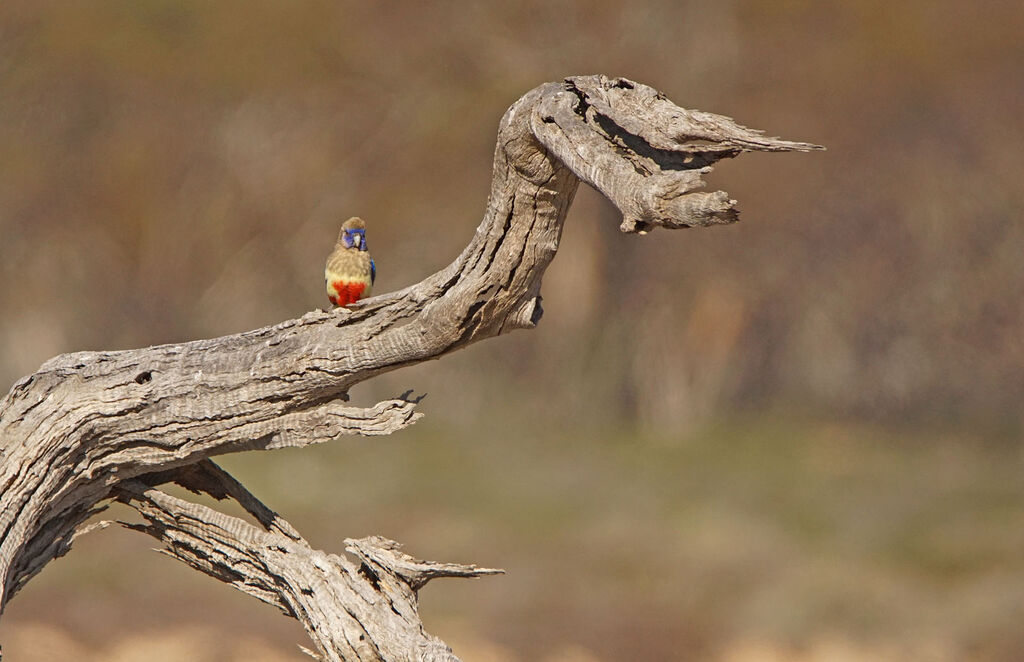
347	293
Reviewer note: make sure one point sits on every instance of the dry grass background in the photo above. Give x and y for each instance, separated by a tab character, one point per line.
794	438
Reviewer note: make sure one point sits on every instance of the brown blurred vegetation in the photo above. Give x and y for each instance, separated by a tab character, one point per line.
174	170
171	170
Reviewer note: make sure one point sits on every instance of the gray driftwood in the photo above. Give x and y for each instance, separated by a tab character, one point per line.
89	427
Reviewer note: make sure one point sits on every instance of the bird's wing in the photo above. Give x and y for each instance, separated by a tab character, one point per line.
373	271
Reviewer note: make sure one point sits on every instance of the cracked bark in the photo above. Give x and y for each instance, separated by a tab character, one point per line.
92	426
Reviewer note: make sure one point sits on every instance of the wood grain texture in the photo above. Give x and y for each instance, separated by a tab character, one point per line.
90	426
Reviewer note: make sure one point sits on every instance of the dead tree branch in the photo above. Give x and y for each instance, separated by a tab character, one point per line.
91	426
363	610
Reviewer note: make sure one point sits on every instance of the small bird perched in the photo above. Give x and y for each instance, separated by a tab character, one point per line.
350	270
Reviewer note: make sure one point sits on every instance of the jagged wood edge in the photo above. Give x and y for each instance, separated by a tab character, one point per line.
87	422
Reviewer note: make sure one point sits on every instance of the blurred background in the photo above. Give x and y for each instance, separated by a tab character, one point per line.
794	438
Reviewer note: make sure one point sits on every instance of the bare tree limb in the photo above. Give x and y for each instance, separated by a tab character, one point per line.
365	610
91	425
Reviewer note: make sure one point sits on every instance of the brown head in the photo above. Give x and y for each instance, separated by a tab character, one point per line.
353	234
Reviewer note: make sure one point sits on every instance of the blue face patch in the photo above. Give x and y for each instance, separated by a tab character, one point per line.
355	239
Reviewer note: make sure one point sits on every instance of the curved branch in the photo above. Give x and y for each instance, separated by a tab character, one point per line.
87	423
643	152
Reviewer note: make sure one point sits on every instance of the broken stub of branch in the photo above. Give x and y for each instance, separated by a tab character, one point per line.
90	426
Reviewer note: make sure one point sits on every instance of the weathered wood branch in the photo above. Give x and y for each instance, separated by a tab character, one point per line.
91	425
363	610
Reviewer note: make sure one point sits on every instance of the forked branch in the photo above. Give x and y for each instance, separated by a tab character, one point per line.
353	610
90	426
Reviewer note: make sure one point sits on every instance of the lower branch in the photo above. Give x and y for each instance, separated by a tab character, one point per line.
363	610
